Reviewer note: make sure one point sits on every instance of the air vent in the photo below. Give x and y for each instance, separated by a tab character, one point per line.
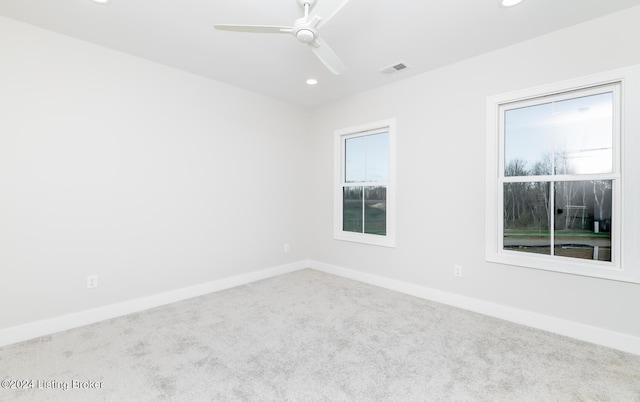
394	68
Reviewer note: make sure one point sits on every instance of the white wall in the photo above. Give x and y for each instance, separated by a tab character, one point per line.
441	175
156	179
151	178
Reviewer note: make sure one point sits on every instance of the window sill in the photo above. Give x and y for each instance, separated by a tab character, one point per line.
374	240
594	269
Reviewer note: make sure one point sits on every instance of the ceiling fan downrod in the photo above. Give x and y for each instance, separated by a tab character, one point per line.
307	4
306	32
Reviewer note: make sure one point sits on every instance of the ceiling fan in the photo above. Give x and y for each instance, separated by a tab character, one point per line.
305	29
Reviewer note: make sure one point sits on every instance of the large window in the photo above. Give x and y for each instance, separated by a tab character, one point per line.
559	176
364	196
555	176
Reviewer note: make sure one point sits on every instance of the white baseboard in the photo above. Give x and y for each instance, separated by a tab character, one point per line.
615	340
74	320
599	336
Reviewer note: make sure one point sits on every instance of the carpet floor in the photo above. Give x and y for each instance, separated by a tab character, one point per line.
311	336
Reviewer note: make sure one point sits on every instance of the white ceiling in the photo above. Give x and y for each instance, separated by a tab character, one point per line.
368	35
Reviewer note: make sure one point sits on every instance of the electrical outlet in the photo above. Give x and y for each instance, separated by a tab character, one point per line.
92	281
457	270
286	247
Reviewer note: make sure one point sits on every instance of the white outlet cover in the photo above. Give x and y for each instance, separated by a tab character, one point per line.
92	281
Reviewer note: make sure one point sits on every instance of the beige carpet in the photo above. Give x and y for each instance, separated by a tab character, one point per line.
309	336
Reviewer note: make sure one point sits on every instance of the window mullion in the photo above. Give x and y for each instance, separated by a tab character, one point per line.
366	178
363	222
552	217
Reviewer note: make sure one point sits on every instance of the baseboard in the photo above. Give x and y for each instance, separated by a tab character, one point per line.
599	336
74	320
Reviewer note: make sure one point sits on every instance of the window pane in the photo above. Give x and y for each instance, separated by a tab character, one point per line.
584	134
367	158
527	217
583	219
375	210
355	159
573	136
377	157
528	140
352	204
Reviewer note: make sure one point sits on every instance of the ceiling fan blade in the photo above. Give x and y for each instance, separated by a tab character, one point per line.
326	9
328	57
254	28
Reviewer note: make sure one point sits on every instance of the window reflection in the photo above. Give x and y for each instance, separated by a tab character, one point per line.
365	210
573	136
580	214
367	158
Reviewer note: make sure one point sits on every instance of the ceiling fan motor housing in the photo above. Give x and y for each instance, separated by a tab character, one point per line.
305	35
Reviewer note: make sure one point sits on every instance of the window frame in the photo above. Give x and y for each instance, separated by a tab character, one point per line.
623	266
340	136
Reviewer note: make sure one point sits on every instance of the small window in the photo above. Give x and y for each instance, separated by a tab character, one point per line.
555	176
363	200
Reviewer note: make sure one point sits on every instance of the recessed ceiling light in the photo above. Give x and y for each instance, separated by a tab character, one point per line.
510	3
101	1
312	81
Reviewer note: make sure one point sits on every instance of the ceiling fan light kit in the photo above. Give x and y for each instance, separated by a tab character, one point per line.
305	29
